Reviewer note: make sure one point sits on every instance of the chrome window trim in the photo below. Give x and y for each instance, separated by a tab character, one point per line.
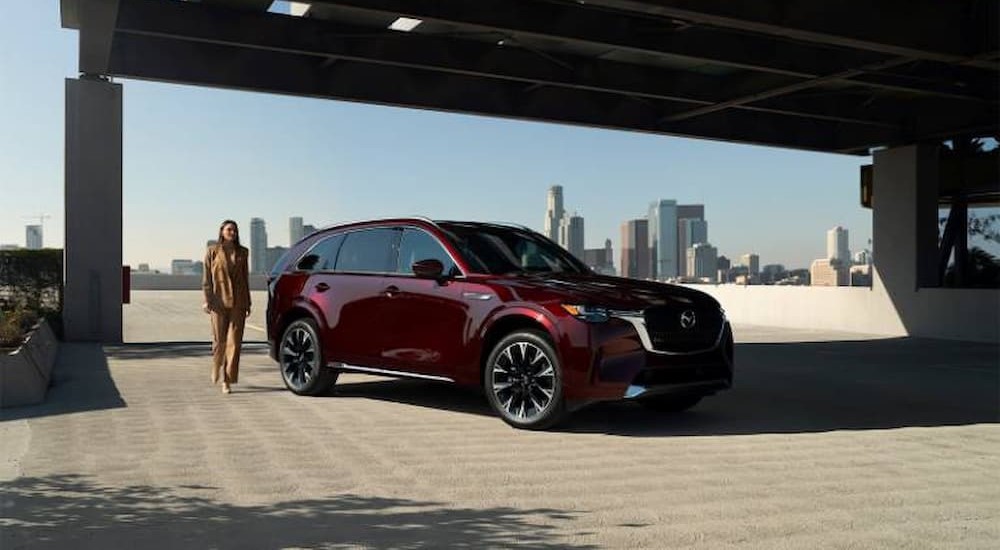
639	323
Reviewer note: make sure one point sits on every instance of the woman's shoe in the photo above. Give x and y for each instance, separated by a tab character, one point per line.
225	387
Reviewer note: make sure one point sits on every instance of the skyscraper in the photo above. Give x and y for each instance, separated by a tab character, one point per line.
752	262
635	262
33	237
258	246
691	231
554	212
295	230
686	212
836	245
702	261
663	239
571	234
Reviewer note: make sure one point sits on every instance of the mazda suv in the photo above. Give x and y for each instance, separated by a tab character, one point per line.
491	305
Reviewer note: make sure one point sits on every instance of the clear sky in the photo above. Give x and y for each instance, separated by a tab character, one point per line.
193	157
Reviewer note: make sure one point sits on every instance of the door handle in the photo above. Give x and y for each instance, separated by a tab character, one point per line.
391	290
322	287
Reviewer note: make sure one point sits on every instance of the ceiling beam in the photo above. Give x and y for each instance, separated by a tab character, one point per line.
578	24
949	32
96	19
166	60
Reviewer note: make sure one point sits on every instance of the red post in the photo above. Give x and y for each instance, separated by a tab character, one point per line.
126	284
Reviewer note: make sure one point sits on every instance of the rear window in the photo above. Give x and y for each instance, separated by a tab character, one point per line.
369	251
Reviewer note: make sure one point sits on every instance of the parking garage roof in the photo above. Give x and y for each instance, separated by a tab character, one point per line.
841	76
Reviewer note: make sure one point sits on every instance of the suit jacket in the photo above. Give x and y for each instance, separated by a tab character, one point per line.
226	283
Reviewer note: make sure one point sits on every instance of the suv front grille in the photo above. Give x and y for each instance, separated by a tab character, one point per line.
667	333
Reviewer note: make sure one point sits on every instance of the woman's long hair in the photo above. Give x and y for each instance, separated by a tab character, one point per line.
236	229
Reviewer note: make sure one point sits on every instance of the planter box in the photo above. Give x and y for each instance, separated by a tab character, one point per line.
25	372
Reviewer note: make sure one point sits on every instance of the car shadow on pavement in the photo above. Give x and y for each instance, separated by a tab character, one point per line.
785	388
825	386
73	511
80	382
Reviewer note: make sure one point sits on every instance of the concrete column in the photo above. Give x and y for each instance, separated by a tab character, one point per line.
92	309
905	218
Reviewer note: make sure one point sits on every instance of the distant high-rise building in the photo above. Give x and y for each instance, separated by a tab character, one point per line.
258	246
829	272
686	212
772	273
33	237
663	239
143	268
723	267
9	247
690	232
571	234
295	230
554	212
752	262
211	243
863	258
274	253
702	261
600	259
308	229
836	245
635	262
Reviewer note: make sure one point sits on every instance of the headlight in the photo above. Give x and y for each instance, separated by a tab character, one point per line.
590	314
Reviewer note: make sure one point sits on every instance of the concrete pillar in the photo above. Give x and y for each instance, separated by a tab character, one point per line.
92	309
905	218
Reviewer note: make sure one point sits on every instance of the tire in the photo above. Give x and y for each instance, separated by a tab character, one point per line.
522	379
671	403
301	362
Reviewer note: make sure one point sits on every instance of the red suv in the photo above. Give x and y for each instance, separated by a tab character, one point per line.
490	305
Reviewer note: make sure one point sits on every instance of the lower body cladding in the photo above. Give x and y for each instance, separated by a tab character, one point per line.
621	364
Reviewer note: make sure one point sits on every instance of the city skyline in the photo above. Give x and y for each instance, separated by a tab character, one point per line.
187	151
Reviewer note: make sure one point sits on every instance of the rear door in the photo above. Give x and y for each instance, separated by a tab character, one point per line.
349	291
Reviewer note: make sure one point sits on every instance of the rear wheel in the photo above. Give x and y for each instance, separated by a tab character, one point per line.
670	403
300	356
523	381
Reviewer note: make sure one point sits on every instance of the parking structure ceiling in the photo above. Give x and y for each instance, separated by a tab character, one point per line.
840	76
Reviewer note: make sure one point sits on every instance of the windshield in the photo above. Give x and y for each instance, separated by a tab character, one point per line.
501	250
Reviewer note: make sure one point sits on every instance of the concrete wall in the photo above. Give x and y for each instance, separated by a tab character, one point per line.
161	281
957	314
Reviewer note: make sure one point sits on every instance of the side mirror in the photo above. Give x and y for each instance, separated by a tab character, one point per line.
428	269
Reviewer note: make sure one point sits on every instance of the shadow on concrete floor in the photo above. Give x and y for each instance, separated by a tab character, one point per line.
786	388
70	510
174	350
80	382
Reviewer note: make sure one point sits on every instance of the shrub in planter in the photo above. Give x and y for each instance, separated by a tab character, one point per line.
14	325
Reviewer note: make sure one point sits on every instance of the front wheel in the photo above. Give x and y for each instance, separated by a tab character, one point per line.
523	381
300	357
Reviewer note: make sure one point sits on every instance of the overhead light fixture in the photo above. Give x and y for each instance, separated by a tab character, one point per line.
299	9
405	24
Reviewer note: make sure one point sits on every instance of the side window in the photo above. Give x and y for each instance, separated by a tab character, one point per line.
368	250
419	245
322	255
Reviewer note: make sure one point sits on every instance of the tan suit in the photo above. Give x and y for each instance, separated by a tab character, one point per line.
226	284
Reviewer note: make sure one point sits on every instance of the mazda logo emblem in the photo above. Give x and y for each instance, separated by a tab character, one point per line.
688	319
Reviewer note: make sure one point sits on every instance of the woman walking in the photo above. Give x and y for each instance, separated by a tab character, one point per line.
226	283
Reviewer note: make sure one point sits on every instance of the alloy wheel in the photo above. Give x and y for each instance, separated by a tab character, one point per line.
523	381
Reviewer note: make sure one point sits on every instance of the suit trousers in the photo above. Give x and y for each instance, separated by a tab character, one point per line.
227	338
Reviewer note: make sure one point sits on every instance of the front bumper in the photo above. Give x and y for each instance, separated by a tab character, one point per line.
622	364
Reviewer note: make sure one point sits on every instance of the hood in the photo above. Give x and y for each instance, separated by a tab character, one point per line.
600	290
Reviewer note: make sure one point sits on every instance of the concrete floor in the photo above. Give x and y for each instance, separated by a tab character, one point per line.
826	441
